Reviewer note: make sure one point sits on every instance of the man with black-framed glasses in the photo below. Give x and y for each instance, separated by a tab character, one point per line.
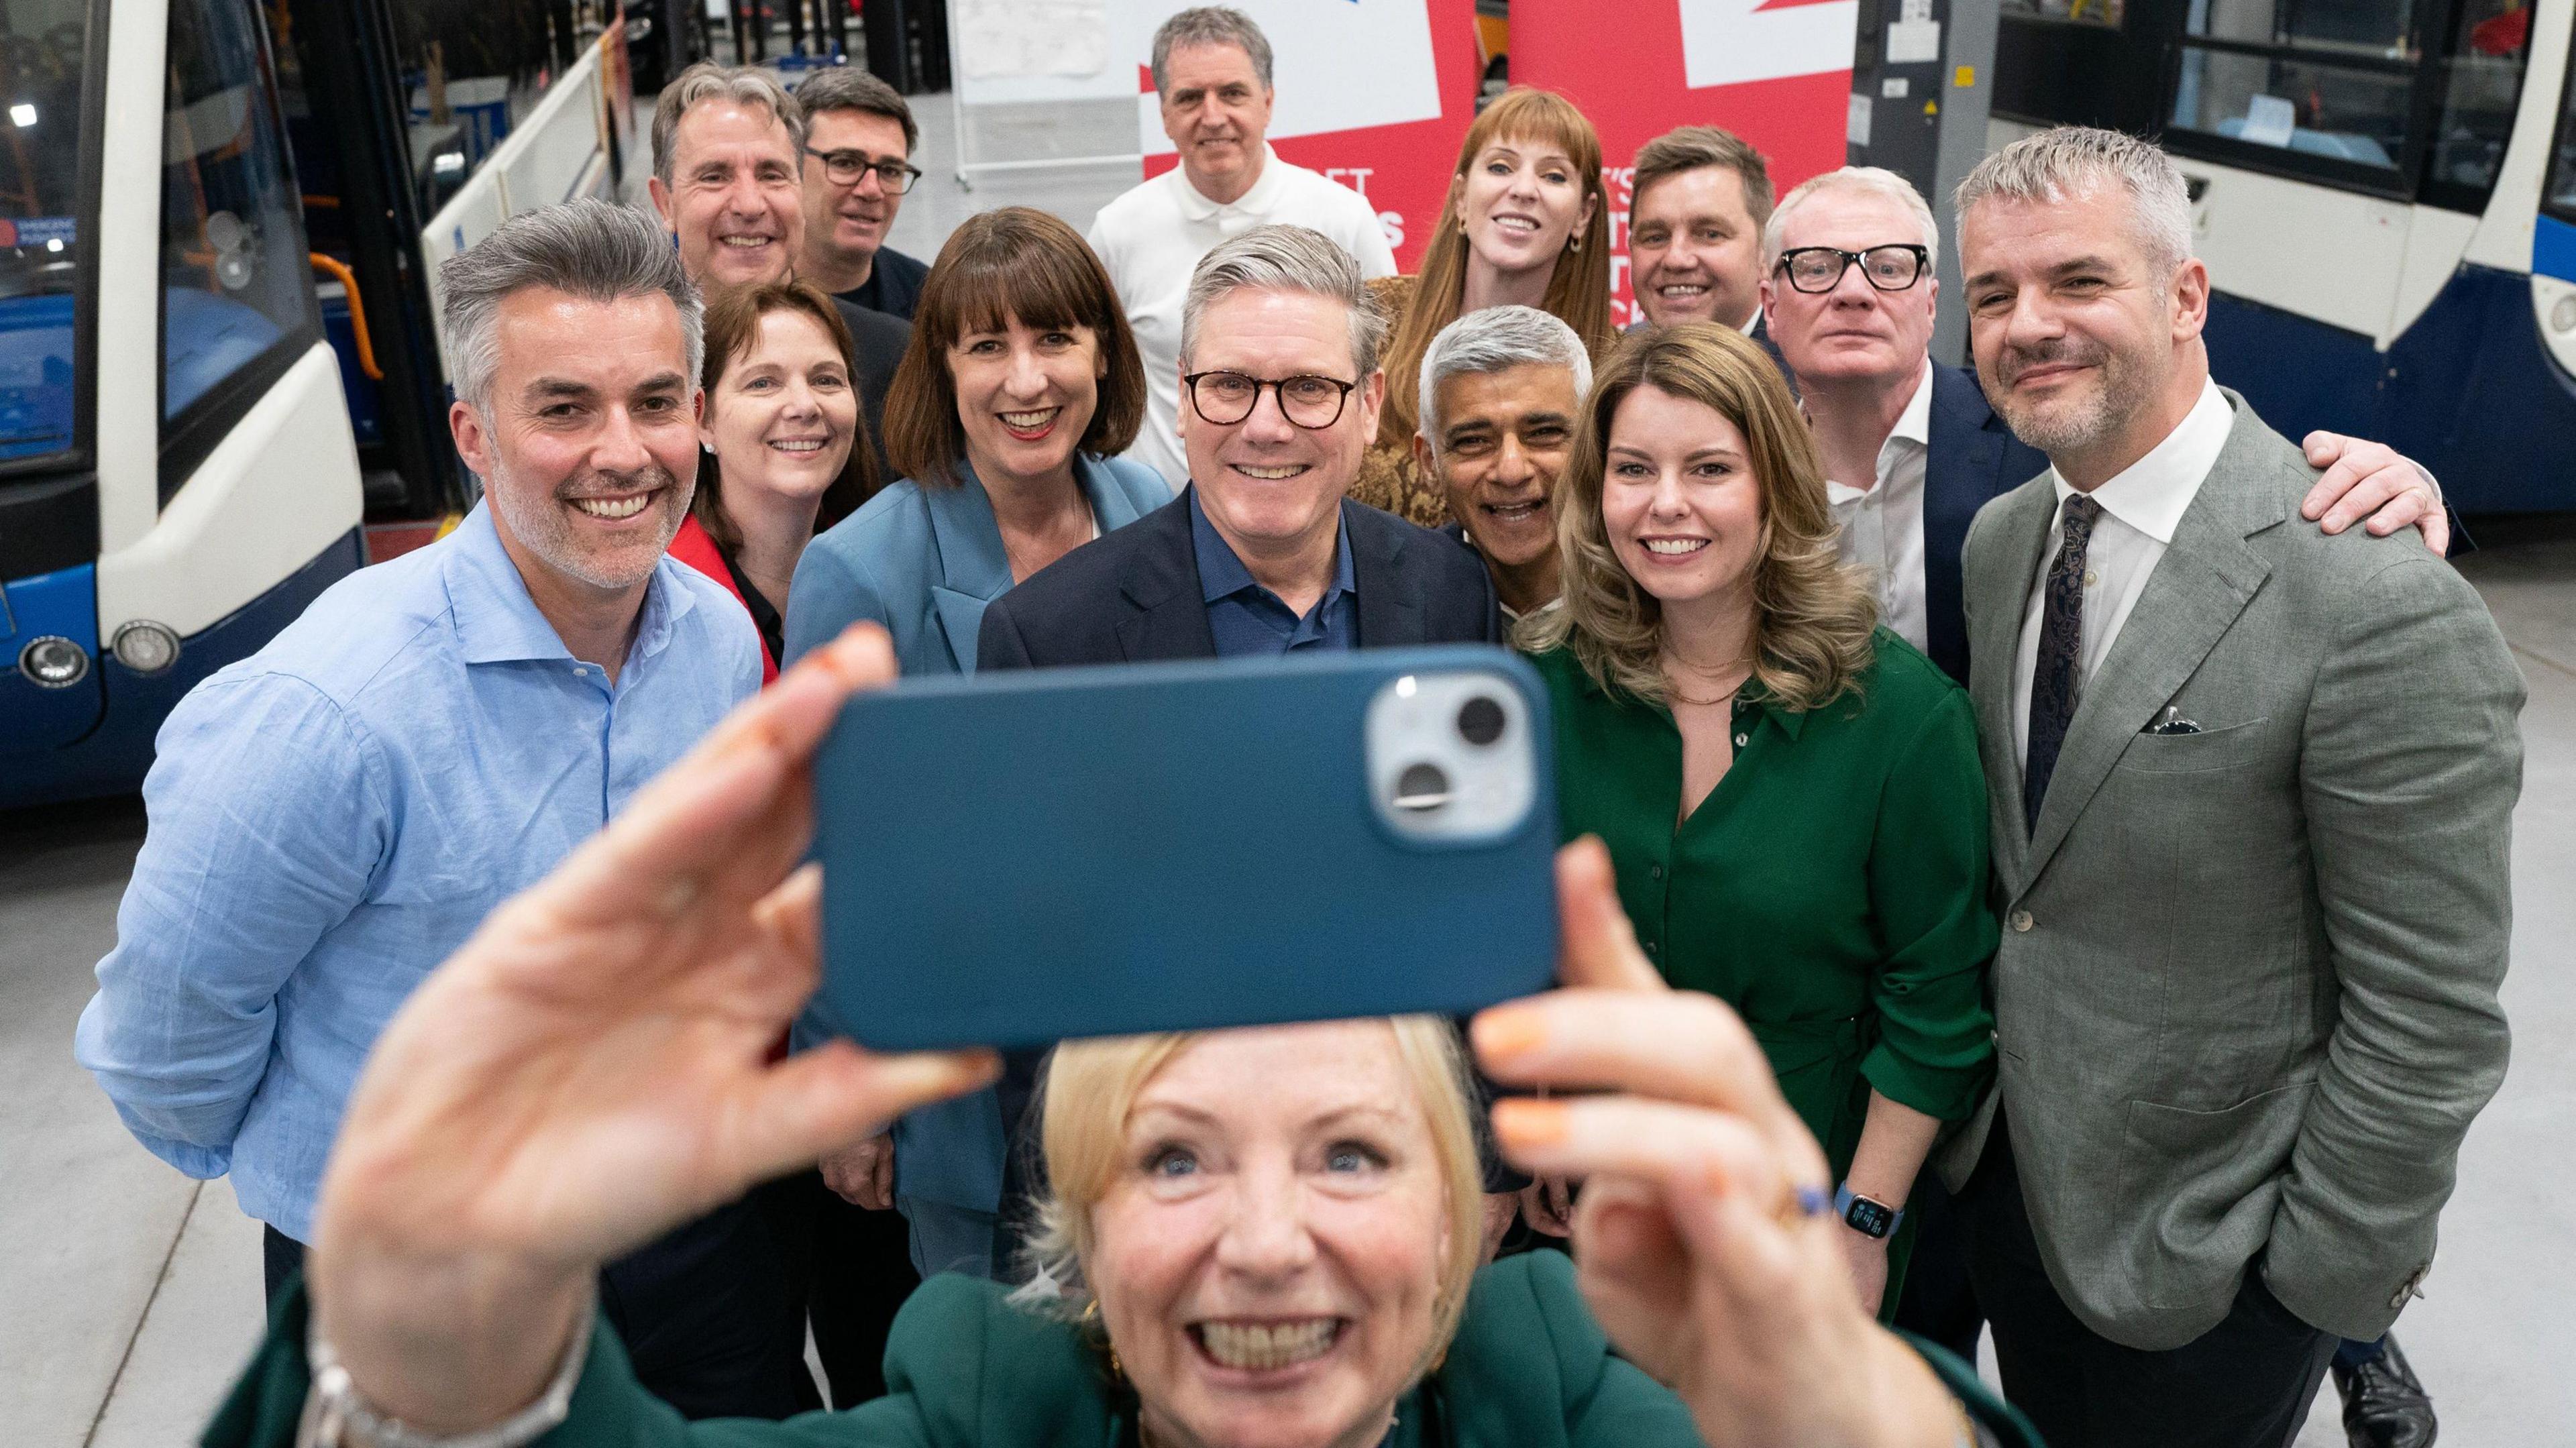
857	167
1262	553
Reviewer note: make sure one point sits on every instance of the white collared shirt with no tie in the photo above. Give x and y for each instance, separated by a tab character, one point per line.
2141	506
1880	527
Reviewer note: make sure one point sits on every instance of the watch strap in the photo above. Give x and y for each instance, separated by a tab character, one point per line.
1845	1197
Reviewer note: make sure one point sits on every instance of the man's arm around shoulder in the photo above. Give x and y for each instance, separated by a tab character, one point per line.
269	810
2410	766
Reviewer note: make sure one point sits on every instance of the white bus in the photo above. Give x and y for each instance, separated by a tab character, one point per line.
219	386
2385	191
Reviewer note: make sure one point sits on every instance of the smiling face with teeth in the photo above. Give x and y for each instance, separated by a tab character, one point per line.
782	418
1269	1255
735	199
1025	396
1504	437
1694	254
1273	490
1681	505
1519	202
590	448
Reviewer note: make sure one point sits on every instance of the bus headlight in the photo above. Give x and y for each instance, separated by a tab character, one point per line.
53	662
146	647
2562	318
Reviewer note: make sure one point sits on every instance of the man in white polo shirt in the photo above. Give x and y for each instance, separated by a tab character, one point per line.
1212	75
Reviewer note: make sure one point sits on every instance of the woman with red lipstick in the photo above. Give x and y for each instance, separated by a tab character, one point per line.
1021	384
783	449
1527	222
1791	795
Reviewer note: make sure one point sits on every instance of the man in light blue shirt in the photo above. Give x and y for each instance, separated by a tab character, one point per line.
332	816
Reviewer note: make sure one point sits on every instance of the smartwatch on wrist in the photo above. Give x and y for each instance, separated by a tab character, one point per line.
1869	1218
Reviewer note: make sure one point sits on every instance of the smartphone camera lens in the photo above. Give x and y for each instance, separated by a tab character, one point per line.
1422	787
1480	721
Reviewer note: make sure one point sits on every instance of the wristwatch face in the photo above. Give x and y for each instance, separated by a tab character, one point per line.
1869	1218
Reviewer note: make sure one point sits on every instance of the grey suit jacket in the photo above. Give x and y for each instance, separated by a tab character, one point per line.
2246	997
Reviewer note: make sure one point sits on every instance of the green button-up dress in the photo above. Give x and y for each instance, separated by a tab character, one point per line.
1832	888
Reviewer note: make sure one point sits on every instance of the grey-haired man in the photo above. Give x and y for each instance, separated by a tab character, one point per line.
1502	397
332	816
1211	68
2252	789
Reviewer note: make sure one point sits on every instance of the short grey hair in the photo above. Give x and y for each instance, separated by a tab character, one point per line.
589	249
1499	339
854	88
1282	258
708	81
1863	180
2052	166
1211	25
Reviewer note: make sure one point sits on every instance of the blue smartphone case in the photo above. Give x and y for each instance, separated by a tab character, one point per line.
1015	858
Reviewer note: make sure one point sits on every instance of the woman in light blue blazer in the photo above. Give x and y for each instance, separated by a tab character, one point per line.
1021	384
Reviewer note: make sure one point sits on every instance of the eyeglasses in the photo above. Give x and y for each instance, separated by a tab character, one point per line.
1226	398
845	168
1821	268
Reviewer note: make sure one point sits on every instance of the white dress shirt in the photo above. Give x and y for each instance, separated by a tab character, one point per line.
1880	528
1151	239
2141	506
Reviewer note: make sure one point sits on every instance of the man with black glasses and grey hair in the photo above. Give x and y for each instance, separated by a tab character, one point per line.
332	816
1211	68
859	140
1502	395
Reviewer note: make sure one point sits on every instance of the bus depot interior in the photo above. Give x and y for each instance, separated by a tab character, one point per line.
223	217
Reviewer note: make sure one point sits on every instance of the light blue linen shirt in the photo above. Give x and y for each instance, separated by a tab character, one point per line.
332	816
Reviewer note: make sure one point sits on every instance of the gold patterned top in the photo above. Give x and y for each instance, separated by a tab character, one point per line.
1390	478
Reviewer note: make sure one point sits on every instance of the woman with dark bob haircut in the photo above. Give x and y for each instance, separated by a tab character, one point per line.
1021	383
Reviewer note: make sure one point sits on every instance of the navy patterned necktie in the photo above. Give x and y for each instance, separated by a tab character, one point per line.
2057	680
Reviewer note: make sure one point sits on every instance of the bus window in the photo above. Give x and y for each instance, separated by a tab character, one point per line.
2331	81
2558	195
236	288
2481	87
42	146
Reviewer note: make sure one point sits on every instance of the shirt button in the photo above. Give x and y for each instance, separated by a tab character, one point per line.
2021	920
1650	947
2092	579
1654	872
581	673
1740	738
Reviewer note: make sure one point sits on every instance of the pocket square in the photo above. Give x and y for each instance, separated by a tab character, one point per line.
2171	722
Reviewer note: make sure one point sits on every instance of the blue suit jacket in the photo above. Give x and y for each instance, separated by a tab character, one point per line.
924	562
1973	457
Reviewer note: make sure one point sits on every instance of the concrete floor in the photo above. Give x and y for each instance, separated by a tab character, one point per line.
129	1295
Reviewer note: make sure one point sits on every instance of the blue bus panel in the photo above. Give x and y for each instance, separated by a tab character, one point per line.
35	719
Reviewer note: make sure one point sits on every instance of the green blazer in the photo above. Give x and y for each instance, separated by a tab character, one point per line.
1832	888
1529	1369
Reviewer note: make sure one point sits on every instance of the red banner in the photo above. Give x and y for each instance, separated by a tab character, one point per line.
1402	168
1778	74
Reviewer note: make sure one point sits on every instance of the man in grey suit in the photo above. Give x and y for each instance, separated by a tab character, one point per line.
2252	790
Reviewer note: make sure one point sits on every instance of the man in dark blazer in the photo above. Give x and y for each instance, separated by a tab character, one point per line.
1261	554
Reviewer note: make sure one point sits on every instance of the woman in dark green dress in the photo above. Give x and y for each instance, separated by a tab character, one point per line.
1265	1237
1791	796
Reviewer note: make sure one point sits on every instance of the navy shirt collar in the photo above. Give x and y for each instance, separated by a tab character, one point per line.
1222	574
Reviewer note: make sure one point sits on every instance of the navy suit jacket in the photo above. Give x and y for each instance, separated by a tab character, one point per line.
1972	458
1134	595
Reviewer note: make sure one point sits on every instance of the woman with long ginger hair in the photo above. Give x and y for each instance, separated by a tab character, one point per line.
1526	221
